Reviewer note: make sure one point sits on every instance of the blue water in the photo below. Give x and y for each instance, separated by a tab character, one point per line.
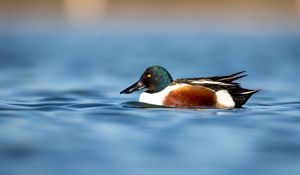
61	111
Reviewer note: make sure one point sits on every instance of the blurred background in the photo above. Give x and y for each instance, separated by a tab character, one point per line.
64	62
243	16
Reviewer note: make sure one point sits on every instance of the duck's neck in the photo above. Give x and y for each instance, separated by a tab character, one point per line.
160	85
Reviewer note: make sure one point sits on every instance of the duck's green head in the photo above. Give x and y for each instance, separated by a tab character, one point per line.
154	79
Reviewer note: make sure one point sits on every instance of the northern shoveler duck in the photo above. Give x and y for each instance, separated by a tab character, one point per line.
217	92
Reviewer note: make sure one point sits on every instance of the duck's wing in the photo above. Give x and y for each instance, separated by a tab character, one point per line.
223	79
215	82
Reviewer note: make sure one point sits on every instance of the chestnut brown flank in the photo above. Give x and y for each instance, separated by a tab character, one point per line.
191	96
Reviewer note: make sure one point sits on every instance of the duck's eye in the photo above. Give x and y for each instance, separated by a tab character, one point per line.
149	75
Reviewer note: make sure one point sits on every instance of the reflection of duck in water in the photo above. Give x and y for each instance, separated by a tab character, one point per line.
217	92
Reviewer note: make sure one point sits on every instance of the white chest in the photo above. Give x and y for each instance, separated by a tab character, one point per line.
159	97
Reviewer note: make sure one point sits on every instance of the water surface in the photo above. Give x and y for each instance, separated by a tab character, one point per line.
61	111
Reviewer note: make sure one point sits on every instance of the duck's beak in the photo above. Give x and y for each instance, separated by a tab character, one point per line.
135	87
